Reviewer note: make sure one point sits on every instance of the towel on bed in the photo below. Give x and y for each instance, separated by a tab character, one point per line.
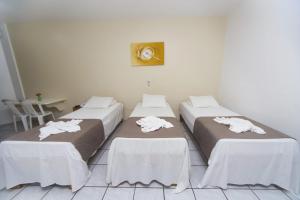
152	123
238	125
52	128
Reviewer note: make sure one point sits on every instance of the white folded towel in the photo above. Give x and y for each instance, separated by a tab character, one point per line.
238	125
52	128
152	123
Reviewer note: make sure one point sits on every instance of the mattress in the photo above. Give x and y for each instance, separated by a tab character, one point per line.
243	160
161	155
19	160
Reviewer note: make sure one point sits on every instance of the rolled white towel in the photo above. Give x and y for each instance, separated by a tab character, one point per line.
152	123
52	128
238	125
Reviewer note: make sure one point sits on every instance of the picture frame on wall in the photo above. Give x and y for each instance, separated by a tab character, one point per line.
147	54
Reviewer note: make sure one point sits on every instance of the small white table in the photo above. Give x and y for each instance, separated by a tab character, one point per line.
50	102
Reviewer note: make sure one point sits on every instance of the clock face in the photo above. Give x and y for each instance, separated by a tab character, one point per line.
146	53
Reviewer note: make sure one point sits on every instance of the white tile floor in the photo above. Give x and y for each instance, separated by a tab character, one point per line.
96	188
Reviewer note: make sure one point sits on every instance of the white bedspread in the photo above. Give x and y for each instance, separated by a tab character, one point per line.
236	161
43	162
144	160
270	161
52	162
165	160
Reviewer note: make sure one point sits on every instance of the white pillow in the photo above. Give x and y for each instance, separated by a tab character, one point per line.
99	102
203	101
154	100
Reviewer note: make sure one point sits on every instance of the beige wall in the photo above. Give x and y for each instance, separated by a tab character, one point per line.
79	59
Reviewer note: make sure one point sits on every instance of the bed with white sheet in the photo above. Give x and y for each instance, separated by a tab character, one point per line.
140	157
243	161
57	162
110	116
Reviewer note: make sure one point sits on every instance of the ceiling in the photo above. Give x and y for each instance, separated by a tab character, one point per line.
106	9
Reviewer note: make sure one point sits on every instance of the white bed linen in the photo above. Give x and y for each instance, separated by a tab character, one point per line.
190	113
143	160
247	161
52	162
266	162
110	116
45	163
140	111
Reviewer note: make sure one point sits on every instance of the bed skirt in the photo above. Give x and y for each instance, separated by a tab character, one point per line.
47	163
265	162
165	160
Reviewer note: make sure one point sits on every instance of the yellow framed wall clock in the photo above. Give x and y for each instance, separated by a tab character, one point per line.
151	53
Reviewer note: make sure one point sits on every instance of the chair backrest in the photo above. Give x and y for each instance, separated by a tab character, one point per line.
12	105
27	105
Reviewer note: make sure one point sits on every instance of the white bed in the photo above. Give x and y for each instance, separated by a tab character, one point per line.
165	160
190	113
247	161
110	116
50	163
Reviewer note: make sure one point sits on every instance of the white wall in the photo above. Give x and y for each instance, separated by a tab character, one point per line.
6	87
78	59
260	76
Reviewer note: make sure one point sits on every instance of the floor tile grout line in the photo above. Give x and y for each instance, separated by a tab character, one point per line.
233	189
133	193
224	194
18	193
46	193
104	193
150	187
194	194
102	186
286	194
98	156
75	193
264	189
193	190
120	187
255	194
95	186
238	188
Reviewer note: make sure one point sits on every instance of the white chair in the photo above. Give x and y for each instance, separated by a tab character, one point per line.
33	113
16	113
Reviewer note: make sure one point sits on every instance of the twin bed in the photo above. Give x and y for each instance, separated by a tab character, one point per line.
245	158
161	155
59	159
